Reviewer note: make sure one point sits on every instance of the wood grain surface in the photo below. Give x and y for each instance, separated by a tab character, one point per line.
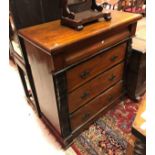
53	35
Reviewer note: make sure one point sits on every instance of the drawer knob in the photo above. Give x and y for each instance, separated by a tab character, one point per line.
85	95
112	77
84	74
113	58
110	98
85	116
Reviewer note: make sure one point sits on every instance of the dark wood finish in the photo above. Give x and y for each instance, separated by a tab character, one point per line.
19	61
89	110
86	92
73	7
61	93
86	71
22	76
139	148
78	19
24	13
84	18
133	29
54	57
137	72
31	12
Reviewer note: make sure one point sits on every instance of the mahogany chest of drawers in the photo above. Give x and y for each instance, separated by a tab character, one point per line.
78	75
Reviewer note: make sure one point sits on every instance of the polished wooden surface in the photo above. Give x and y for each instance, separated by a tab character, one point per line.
89	48
86	92
95	44
91	68
92	108
139	123
136	72
52	35
41	65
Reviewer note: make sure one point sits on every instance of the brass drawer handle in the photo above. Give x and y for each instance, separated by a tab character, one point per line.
85	116
113	58
84	74
112	77
85	95
110	98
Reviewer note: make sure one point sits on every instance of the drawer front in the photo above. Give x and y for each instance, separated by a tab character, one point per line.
95	86
87	70
88	111
91	46
85	48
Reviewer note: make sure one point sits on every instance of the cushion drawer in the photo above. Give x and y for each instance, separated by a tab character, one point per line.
86	48
89	69
95	86
89	110
93	45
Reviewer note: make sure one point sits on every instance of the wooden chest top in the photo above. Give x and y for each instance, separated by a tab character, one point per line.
53	36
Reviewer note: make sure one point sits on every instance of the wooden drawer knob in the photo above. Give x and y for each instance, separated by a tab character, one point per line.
113	58
85	116
110	98
85	95
84	74
112	77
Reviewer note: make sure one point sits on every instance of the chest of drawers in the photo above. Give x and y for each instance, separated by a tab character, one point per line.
78	75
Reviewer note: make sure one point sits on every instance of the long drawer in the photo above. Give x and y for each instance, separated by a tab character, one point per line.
86	48
85	71
89	110
95	86
93	45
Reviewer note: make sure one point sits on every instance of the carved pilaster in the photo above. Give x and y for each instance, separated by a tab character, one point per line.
127	57
61	96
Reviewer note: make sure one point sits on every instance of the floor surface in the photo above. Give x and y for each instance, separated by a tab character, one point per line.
24	133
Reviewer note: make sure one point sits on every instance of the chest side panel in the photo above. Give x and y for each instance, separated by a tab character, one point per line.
41	65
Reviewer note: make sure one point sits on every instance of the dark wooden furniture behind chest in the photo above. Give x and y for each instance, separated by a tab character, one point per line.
24	13
137	70
78	75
